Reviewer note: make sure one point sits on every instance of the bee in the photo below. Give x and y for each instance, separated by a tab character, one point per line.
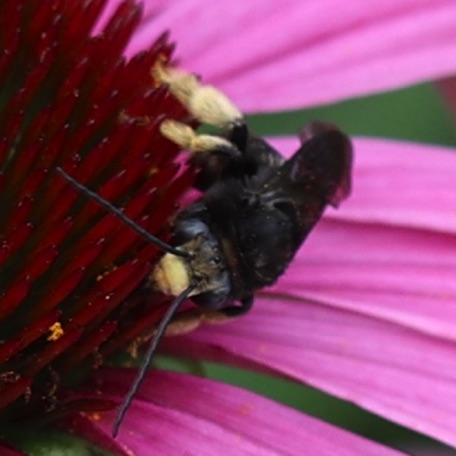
256	208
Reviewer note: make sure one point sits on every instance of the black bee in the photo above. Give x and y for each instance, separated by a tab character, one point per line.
255	211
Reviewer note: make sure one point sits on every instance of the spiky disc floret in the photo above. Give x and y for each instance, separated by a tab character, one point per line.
70	98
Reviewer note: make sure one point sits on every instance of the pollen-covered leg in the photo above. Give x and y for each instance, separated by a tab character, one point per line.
214	156
204	102
185	137
187	321
223	155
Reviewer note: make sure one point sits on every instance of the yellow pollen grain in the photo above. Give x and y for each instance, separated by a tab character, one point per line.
95	416
246	409
56	331
141	121
152	171
108	271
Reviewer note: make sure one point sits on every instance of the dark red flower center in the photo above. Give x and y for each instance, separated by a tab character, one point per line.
73	286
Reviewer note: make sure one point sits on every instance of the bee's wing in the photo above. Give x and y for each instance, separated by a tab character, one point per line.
322	166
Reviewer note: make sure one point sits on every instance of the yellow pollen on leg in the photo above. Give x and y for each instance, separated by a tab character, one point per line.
177	132
206	103
181	84
171	275
186	138
56	332
213	107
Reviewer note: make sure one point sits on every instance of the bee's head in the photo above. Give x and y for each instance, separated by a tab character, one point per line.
204	268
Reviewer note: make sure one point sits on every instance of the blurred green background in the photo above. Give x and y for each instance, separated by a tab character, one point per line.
416	114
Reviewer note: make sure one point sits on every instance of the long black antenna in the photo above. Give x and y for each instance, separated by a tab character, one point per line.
173	308
122	216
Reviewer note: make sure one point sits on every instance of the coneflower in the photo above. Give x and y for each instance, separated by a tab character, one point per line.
366	311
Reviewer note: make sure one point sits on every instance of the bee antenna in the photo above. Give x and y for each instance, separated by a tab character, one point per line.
173	308
122	216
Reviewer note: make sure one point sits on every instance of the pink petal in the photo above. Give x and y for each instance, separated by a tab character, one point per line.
419	181
401	275
271	55
180	414
398	373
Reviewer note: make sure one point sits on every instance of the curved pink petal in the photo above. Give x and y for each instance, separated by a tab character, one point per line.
405	276
414	185
281	55
180	414
367	311
396	372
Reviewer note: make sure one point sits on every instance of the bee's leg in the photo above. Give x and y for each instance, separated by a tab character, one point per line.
207	105
238	134
217	157
204	102
236	311
188	139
